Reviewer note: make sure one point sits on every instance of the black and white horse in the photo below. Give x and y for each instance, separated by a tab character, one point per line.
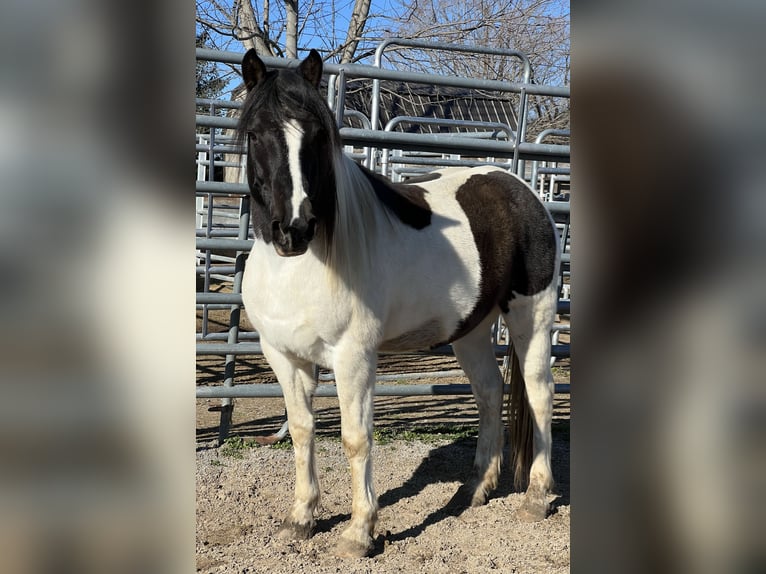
346	264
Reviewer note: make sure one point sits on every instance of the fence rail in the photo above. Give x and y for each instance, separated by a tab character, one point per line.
375	73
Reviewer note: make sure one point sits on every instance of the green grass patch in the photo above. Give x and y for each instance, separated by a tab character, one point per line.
284	444
560	371
235	446
426	433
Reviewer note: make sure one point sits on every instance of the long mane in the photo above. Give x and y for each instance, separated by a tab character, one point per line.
360	219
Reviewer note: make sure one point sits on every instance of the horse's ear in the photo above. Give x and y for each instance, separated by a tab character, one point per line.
253	69
311	68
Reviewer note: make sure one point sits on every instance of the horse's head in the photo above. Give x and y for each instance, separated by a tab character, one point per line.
290	136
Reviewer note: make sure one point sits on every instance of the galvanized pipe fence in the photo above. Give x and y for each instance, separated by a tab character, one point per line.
223	230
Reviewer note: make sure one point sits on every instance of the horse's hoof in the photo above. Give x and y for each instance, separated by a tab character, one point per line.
352	549
293	531
532	510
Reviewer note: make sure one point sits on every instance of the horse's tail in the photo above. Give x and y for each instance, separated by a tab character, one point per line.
519	420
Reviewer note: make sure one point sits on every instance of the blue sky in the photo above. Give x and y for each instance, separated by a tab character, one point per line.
329	33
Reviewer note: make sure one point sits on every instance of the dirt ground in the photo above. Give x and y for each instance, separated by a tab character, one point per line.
423	451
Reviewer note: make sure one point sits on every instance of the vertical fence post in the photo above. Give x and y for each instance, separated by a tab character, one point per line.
340	104
521	129
227	408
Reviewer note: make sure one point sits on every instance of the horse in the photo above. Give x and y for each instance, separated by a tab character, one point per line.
346	264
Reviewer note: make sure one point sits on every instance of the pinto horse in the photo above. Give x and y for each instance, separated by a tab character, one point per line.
346	264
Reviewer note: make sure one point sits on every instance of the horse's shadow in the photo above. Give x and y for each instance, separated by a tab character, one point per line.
452	463
448	463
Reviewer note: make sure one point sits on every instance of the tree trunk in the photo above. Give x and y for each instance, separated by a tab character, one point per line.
291	33
355	29
254	36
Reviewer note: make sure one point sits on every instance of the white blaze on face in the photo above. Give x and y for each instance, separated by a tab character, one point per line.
294	140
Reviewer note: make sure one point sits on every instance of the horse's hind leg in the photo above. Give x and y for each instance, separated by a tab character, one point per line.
297	381
529	321
476	356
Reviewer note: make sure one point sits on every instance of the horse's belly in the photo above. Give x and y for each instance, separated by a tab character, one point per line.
438	287
423	336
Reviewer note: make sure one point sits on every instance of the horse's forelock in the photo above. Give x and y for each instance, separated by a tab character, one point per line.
262	97
286	95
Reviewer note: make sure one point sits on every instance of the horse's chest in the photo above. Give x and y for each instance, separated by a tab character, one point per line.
289	310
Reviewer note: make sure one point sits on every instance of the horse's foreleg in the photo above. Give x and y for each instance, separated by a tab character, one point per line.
355	374
297	381
477	358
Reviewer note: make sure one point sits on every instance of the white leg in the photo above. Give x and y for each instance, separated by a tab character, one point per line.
529	321
297	380
355	372
476	356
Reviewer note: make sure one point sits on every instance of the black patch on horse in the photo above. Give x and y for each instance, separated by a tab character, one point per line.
406	201
522	259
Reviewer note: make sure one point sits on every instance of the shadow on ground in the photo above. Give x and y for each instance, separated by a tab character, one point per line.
452	463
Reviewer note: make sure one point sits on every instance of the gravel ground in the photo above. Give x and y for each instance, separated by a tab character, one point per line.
241	501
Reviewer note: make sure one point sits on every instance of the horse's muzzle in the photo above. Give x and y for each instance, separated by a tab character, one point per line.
294	239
